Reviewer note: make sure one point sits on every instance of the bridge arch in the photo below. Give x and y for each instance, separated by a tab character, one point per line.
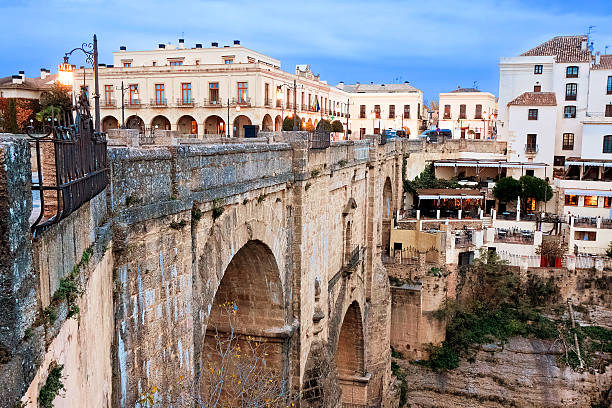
350	356
387	214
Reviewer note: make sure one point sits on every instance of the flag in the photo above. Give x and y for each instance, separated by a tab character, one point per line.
317	107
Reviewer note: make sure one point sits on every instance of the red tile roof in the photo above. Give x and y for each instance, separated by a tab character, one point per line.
35	84
604	63
565	49
535	99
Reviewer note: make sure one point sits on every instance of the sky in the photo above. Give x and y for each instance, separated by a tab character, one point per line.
435	45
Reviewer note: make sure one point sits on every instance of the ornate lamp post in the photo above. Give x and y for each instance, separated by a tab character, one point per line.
279	95
65	72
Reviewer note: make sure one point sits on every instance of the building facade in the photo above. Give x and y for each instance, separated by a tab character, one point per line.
376	107
468	113
19	87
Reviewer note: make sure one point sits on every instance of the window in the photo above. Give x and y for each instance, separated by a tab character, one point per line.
186	92
532	114
478	114
154	63
571	72
570	92
228	61
569	112
447	113
243	88
134	97
176	63
391	111
362	132
213	92
419	110
537	88
607	144
530	172
531	146
406	111
559	161
377	111
607	202
609	89
462	114
108	94
609	110
568	141
160	97
571	199
585	236
537	69
590	201
127	64
362	113
267	100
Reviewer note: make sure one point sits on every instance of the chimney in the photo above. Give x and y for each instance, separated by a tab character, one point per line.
110	66
122	48
584	44
22	74
214	44
181	43
102	65
341	85
198	45
43	73
161	46
597	58
236	43
16	79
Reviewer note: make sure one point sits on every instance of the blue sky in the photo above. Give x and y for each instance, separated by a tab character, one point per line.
435	45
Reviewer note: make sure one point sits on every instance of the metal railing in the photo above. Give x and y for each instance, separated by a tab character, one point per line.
134	103
354	259
217	103
74	169
585	222
268	102
463	240
514	236
242	102
185	102
159	102
112	103
531	148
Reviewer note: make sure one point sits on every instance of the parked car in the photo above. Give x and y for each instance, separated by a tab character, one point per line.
432	136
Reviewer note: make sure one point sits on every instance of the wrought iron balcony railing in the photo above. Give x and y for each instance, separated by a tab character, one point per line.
159	102
185	102
531	148
108	103
212	103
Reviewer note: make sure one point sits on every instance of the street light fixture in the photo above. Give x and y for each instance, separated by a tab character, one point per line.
91	52
280	94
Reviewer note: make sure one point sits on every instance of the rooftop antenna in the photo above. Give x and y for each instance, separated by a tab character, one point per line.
591	31
606	49
475	85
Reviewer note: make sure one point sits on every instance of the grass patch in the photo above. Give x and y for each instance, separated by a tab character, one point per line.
52	386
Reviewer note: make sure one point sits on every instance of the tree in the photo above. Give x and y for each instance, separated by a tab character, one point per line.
507	189
536	188
324	125
56	99
427	179
337	126
288	123
10	123
309	127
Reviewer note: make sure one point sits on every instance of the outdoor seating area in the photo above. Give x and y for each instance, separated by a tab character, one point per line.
514	236
449	203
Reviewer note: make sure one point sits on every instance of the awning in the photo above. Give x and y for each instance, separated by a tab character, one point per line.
445	196
506	165
580	163
600	193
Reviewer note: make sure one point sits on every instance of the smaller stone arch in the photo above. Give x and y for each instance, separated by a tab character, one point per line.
266	123
239	123
109	122
387	214
350	357
187	125
135	122
160	122
214	125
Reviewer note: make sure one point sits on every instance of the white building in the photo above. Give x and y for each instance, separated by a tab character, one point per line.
19	86
375	107
468	113
555	107
198	90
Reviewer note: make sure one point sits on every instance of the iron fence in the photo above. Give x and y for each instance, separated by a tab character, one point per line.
71	165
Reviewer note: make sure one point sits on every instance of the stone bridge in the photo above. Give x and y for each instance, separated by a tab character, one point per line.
291	235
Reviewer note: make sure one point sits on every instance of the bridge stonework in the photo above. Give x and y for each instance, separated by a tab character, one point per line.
292	235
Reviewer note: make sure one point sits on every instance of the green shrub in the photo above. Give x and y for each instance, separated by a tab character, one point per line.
52	386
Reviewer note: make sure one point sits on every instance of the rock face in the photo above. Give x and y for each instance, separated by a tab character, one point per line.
522	373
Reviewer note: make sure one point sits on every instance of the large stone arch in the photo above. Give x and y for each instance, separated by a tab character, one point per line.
109	122
135	122
387	214
253	232
278	123
160	122
266	124
187	125
214	125
350	357
240	122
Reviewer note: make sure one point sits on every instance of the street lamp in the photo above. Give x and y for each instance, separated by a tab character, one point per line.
279	96
136	98
91	52
65	73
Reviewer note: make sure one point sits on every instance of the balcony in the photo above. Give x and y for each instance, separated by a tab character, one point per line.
159	103
244	102
531	148
185	103
289	105
212	103
570	97
134	103
108	103
514	236
445	116
279	103
268	102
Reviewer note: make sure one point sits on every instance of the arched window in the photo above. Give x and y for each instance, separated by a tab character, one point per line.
607	144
